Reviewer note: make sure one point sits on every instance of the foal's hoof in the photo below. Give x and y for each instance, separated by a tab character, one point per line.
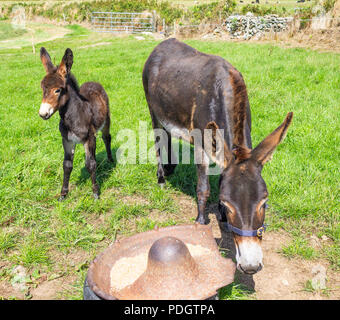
62	198
96	196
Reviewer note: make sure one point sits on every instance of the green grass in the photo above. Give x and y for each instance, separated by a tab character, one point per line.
33	33
7	31
36	230
77	30
299	247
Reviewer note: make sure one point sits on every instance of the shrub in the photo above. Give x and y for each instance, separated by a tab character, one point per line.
260	10
81	11
328	4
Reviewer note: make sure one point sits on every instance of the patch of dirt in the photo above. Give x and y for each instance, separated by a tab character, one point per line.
327	40
281	278
133	200
95	45
36	33
183	216
49	285
50	290
323	40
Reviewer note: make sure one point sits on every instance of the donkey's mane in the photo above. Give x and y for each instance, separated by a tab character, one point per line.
72	81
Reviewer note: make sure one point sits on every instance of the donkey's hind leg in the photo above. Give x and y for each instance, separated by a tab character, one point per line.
160	138
169	168
69	148
90	163
107	139
163	141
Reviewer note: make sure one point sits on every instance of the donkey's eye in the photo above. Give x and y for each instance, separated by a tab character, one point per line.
57	91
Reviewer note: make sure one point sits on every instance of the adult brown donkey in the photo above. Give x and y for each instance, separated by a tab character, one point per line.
188	90
83	111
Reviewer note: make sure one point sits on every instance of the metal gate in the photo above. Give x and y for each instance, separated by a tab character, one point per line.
131	22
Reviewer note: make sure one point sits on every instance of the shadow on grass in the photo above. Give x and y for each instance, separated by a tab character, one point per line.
104	168
184	179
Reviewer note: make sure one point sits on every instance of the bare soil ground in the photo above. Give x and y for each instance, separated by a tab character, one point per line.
327	40
280	279
37	32
323	40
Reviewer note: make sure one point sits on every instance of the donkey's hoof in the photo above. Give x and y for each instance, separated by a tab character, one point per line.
161	180
161	185
96	196
202	220
62	198
169	169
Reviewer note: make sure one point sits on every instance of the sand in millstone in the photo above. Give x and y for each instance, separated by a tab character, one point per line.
127	270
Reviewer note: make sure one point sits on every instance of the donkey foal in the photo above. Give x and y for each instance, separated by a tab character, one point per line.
83	111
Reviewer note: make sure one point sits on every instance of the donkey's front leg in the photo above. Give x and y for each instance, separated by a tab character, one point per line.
69	148
91	164
203	192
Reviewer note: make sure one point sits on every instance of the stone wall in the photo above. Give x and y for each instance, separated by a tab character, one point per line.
250	26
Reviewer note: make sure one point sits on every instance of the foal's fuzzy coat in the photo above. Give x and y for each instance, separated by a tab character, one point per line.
83	111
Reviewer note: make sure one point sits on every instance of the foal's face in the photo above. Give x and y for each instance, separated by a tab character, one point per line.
53	87
54	83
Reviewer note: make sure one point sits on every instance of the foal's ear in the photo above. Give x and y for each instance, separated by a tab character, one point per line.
264	151
46	60
66	63
220	152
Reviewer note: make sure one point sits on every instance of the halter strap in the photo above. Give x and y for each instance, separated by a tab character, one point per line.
245	233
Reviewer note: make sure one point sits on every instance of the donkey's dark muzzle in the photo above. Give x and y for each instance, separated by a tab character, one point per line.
250	269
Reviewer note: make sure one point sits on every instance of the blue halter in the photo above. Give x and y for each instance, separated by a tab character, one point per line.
245	233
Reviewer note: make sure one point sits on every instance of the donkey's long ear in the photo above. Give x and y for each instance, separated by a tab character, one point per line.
220	152
264	151
46	60
66	63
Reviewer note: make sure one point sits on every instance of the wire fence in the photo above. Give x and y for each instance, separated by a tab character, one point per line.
117	22
133	22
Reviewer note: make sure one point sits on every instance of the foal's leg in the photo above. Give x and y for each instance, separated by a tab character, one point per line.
69	148
107	138
203	190
90	162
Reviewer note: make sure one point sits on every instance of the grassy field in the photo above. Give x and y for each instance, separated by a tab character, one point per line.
39	233
34	32
8	32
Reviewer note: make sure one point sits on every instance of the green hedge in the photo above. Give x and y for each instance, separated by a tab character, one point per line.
81	11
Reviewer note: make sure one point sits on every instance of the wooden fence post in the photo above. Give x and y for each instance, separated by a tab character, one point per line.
153	20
